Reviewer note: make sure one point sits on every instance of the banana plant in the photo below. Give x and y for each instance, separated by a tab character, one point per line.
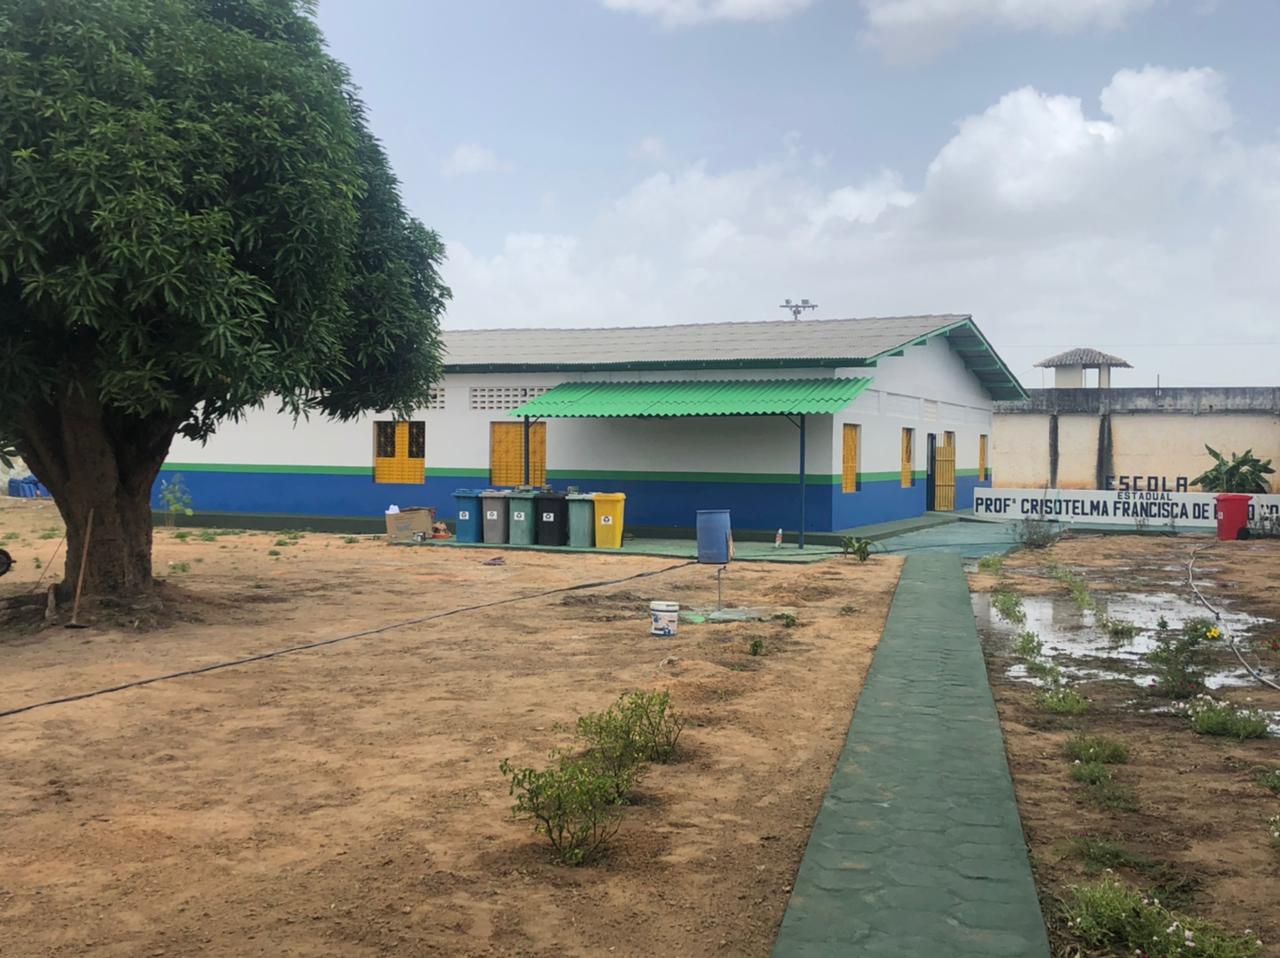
1241	473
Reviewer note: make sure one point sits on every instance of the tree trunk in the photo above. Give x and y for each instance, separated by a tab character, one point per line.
94	459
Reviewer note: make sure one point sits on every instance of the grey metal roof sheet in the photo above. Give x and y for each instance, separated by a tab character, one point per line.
813	339
1084	357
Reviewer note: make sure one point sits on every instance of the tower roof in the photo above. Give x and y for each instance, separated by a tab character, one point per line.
1084	357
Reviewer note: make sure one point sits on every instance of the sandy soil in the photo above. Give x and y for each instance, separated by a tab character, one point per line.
347	800
1201	816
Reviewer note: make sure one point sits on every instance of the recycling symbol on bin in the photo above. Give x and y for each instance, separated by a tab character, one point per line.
463	514
518	516
606	520
548	517
491	514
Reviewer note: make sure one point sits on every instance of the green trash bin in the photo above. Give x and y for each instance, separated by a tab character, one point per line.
582	521
522	522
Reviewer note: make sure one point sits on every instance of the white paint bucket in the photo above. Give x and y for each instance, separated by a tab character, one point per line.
664	618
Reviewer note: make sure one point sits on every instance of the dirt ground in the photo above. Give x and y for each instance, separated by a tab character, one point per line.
347	800
1199	826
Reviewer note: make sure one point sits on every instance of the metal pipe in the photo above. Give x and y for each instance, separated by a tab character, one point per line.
802	497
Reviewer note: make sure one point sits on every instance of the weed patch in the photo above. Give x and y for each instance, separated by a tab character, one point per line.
756	647
1096	748
1210	716
1098	854
992	564
787	619
1028	645
1269	779
1109	914
1008	605
1064	702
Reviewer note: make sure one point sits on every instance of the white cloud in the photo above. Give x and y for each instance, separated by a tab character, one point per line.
914	29
684	13
652	148
471	158
1138	221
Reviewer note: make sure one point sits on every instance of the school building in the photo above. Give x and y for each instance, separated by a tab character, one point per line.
829	424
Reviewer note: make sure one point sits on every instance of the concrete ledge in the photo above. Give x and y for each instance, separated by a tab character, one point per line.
1197	400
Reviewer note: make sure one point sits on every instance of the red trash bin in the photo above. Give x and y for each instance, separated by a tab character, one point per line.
1233	514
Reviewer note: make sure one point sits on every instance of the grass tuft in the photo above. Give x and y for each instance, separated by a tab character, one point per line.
1096	748
1064	702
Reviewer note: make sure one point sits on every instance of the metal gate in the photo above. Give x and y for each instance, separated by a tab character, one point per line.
944	470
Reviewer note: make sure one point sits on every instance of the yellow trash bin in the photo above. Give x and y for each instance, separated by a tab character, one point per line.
609	509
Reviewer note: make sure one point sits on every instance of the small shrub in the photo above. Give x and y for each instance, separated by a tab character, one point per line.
1036	534
208	536
182	535
655	723
1162	624
350	540
1090	773
179	566
37	562
1179	664
1008	605
1096	748
1028	645
1269	779
1110	794
284	542
1212	717
1045	670
12	536
788	619
1108	914
572	804
756	647
614	746
50	534
1098	854
273	552
1201	630
1064	702
858	547
1118	629
992	564
849	610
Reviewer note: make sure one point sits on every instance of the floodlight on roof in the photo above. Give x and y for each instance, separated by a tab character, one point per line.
797	308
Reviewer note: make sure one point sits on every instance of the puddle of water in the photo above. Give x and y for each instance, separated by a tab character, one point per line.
1076	643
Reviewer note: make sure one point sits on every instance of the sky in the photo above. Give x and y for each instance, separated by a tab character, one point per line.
1097	173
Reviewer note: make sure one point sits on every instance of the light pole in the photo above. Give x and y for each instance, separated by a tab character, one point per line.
797	308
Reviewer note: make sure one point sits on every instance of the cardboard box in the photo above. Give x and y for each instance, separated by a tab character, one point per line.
408	522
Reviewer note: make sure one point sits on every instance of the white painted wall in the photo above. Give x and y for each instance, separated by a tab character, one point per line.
928	389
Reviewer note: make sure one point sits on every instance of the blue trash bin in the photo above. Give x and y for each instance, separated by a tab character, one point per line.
469	526
715	537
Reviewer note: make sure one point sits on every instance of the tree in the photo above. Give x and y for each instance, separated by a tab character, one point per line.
1241	473
194	220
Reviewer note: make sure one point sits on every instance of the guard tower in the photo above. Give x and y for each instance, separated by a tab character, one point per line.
1068	368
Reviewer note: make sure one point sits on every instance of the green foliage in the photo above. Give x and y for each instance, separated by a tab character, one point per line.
195	219
182	535
1063	701
1008	605
38	562
1118	629
1045	670
849	610
1096	748
656	725
50	534
1269	778
350	540
208	535
1241	473
756	647
12	536
1210	716
1202	630
573	804
285	542
614	744
176	499
1090	773
1109	914
1179	661
273	552
177	567
1036	534
856	546
1028	645
992	564
787	619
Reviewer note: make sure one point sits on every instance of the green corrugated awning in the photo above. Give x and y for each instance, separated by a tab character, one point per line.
717	397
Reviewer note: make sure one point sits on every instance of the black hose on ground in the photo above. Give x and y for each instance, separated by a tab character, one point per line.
262	656
1231	639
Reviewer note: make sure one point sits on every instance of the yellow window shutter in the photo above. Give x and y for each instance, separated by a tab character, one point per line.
907	466
849	474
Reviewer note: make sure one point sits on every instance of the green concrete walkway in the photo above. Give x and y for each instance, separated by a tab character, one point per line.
918	850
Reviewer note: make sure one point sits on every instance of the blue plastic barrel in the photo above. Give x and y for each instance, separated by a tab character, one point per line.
714	536
469	523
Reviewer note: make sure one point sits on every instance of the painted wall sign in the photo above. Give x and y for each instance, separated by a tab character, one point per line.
1111	507
1149	483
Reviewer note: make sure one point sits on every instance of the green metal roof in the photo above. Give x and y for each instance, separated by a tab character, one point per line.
740	397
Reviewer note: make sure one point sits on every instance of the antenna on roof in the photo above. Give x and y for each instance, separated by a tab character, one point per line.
797	308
